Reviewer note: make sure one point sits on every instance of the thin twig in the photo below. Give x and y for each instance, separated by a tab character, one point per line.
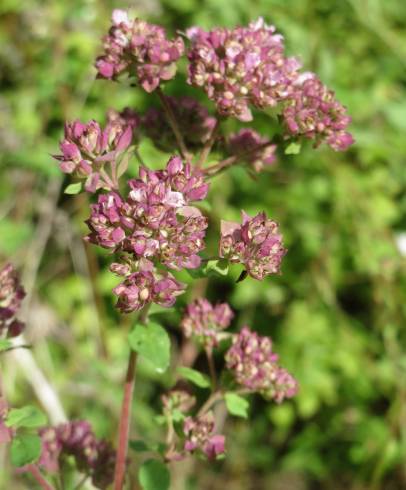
139	157
212	367
33	469
215	397
208	145
218	167
173	124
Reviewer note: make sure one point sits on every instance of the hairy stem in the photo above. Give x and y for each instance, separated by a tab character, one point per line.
35	472
125	417
173	124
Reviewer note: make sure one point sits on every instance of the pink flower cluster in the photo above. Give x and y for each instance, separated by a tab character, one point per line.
145	286
257	244
92	456
11	296
154	222
313	111
199	432
205	322
254	366
252	148
140	49
177	400
195	123
241	67
87	148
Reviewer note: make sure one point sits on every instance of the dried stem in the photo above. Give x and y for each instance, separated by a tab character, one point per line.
173	124
125	417
218	167
35	472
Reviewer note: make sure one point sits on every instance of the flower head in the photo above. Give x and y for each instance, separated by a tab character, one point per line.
140	49
86	149
255	367
312	111
11	295
178	400
145	286
195	124
257	244
155	220
252	148
241	67
199	432
93	456
205	322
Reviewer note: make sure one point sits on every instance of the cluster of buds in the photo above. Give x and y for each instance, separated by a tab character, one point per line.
195	124
200	436
254	366
144	286
92	456
87	148
312	111
140	49
252	148
241	67
179	400
257	244
11	296
205	322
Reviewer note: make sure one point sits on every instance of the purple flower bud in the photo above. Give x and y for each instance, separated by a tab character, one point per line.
257	244
199	432
205	322
312	111
254	366
140	49
11	296
251	146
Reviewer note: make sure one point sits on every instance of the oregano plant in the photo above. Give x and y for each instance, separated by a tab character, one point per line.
154	226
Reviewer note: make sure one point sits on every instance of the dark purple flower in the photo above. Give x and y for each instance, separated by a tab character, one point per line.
195	124
252	148
205	321
242	67
254	366
257	244
139	49
11	296
312	111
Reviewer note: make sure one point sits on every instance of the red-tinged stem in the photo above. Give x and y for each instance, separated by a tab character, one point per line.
208	145
218	167
125	416
173	124
124	427
35	472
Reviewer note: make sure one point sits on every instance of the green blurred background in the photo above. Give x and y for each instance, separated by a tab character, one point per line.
336	314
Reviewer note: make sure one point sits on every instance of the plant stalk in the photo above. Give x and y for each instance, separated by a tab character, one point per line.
35	472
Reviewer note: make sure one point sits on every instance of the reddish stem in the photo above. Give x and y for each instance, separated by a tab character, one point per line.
124	427
35	472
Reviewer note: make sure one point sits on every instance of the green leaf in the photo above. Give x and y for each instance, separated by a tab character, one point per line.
195	377
152	343
28	416
293	149
73	188
237	405
140	446
5	344
25	449
217	267
154	475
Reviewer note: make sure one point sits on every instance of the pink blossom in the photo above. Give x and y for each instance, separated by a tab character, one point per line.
199	432
252	148
257	244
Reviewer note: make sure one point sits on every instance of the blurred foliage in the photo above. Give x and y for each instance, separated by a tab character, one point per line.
336	314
